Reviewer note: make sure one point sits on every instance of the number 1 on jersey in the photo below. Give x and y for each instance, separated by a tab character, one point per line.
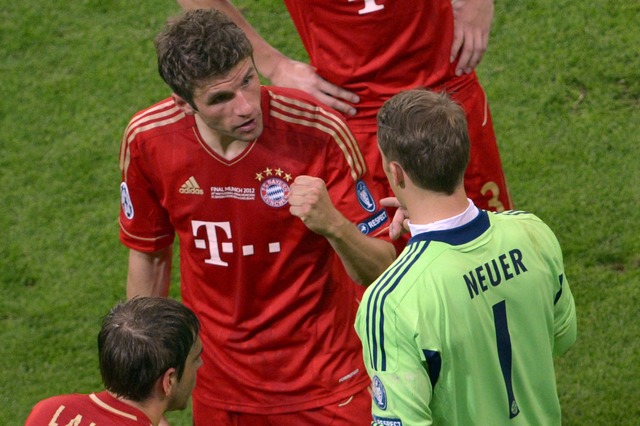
503	340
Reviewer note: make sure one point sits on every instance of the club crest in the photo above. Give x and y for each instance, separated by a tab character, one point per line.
274	192
274	186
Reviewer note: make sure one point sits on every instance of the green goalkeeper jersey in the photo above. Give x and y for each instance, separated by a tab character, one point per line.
461	329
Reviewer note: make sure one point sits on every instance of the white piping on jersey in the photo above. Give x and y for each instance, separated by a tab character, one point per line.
217	157
324	115
486	107
141	238
107	407
144	115
313	116
342	404
146	121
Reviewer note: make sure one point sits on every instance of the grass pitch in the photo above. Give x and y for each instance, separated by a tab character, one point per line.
563	80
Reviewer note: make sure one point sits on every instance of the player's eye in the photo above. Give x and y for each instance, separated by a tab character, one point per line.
220	98
248	78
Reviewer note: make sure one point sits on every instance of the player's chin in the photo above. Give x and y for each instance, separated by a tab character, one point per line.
249	130
178	403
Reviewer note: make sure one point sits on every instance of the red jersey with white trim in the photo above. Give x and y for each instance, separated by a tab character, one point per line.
276	305
95	409
377	48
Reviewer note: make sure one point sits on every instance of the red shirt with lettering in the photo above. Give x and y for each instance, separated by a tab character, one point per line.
377	48
85	410
275	303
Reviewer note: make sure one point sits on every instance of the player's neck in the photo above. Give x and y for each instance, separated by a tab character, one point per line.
226	148
429	207
151	409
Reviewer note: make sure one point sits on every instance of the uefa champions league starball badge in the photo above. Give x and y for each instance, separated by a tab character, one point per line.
125	201
379	394
365	198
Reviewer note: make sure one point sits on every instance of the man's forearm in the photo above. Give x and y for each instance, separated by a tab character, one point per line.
149	273
365	258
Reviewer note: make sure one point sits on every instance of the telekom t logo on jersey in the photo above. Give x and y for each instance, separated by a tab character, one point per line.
216	246
369	6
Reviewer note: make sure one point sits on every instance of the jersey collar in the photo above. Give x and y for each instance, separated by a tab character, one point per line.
459	235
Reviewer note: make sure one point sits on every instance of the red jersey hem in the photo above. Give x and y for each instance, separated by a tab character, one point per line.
284	408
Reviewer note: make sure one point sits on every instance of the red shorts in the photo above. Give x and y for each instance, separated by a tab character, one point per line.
354	411
484	178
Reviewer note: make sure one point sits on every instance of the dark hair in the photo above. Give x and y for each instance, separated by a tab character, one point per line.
198	45
140	339
426	133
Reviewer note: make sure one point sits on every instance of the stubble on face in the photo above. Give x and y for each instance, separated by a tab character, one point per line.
229	106
187	382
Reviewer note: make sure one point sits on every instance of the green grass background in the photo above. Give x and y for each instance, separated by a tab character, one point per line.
563	80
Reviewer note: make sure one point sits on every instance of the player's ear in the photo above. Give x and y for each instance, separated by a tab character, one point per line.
168	381
397	174
183	105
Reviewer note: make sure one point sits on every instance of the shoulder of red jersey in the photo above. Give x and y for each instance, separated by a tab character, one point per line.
298	108
157	116
156	120
64	409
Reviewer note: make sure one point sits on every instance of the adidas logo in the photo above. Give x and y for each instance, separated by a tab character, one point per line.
191	187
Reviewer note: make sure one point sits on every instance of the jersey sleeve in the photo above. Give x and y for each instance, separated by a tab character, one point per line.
401	370
565	322
338	161
564	310
351	187
144	224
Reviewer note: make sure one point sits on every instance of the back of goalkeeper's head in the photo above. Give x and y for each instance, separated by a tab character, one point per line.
427	134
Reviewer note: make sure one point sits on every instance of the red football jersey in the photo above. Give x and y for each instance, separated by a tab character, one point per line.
86	410
276	305
398	45
377	48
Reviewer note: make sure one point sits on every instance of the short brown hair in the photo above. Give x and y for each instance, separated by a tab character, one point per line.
140	340
198	45
426	133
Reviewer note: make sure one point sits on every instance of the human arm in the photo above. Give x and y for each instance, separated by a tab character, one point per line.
565	322
149	274
471	27
364	257
278	68
401	387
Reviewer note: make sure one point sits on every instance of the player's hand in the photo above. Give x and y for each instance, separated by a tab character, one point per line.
400	221
309	200
298	75
471	27
163	422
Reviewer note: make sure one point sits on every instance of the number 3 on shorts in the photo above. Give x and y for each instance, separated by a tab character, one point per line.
495	194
